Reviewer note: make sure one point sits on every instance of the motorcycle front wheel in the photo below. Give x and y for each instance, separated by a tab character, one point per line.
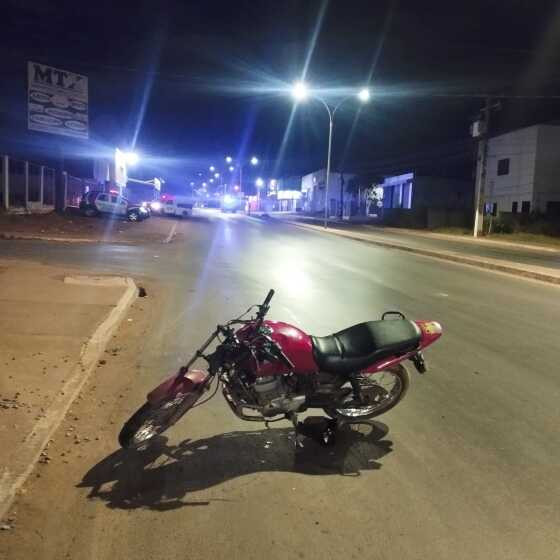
385	390
151	420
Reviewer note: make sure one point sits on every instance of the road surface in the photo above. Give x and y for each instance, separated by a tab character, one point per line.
465	468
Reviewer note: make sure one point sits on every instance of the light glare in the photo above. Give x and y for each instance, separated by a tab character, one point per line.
300	91
131	158
364	95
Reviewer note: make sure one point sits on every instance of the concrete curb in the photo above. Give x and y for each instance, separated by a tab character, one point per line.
489	264
23	236
469	240
90	354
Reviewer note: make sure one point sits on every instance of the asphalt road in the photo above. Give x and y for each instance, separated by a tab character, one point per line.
467	466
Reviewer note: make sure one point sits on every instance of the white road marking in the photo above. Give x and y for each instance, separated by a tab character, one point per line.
171	233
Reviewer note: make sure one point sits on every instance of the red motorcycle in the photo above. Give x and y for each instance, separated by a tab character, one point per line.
271	371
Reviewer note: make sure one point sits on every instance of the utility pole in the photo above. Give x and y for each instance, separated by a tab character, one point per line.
481	129
341	196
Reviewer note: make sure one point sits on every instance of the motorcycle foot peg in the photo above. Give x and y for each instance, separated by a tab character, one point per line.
298	441
328	437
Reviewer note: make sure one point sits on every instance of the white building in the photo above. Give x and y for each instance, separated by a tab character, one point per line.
313	191
523	171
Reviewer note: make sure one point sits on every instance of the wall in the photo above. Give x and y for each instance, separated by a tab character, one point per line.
442	192
520	146
547	168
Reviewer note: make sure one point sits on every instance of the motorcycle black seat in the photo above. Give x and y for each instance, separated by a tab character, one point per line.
359	346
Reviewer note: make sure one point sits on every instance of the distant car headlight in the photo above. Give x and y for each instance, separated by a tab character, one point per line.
228	199
156	206
143	210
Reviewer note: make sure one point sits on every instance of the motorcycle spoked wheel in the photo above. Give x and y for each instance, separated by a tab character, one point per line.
388	388
151	420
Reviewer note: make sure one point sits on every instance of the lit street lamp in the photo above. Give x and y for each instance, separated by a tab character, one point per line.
300	92
253	161
212	168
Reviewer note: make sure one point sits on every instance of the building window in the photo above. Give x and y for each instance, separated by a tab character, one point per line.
525	206
503	166
514	207
407	196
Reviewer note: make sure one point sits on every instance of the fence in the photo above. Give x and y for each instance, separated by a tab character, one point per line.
30	187
26	186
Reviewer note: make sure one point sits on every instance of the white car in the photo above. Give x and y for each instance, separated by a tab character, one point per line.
177	206
97	202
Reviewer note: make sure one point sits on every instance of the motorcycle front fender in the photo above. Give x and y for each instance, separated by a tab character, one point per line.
194	381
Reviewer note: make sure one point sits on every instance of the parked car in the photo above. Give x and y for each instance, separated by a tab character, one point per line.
97	202
178	206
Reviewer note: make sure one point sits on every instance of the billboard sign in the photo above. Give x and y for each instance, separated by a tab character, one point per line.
57	101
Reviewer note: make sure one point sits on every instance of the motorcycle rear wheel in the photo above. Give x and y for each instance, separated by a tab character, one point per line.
151	420
387	398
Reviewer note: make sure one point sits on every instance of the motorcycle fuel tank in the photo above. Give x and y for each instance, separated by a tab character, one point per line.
295	343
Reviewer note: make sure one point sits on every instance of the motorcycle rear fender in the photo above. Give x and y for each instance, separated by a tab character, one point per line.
179	384
430	331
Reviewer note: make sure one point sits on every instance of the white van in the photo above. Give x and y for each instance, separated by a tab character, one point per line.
180	206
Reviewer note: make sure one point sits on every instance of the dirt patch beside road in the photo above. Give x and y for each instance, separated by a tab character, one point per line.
40	525
52	334
72	226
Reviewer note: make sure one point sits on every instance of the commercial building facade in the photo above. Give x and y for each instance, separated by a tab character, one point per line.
523	171
313	192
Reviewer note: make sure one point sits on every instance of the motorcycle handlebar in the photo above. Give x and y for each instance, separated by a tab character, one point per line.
264	306
268	298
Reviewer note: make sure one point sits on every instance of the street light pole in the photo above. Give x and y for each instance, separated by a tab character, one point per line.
300	92
329	149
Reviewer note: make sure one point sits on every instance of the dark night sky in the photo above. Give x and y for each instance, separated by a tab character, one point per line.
199	66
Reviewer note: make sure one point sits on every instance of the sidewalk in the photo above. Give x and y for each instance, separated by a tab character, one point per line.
54	327
363	223
541	263
71	226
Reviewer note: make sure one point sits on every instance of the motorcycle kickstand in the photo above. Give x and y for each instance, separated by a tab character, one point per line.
298	440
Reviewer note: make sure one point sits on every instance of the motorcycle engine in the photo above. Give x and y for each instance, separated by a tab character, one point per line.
273	395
